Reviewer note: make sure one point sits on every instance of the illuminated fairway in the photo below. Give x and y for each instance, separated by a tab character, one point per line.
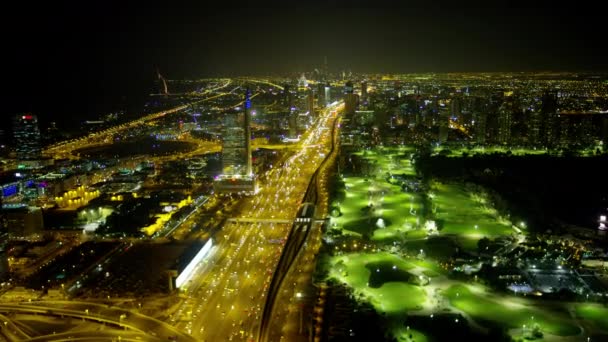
381	288
594	313
457	152
397	209
403	335
509	313
460	214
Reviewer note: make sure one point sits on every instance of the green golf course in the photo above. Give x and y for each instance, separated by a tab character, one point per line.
508	311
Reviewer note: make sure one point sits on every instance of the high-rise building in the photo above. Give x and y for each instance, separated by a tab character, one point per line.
505	118
320	90
237	173
480	127
456	110
236	147
351	101
550	124
288	97
479	120
327	94
444	124
364	92
310	102
27	137
534	126
348	87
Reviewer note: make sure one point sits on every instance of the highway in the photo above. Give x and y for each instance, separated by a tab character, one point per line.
226	296
292	282
127	319
65	149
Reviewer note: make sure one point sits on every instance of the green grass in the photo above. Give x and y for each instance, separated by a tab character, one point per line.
398	209
508	312
457	152
595	313
403	335
390	295
468	220
385	272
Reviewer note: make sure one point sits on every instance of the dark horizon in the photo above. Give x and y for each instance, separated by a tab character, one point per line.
68	58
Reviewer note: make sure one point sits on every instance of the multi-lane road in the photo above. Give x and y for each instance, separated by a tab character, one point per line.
66	149
226	297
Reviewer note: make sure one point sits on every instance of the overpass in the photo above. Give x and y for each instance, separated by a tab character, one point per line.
99	313
257	220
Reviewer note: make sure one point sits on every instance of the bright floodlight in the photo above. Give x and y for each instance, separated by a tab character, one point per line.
603	218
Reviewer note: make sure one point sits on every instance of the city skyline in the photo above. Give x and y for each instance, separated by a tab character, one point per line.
108	57
375	171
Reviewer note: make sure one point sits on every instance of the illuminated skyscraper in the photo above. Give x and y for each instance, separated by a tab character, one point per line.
27	137
444	124
351	100
505	118
327	94
310	101
364	92
236	147
237	173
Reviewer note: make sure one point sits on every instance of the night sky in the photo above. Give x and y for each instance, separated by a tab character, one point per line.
68	59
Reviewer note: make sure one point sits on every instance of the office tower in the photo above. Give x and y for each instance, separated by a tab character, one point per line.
288	97
236	147
563	127
4	268
293	124
550	123
237	172
310	102
479	120
348	87
456	110
480	127
27	137
505	118
444	124
327	94
351	100
534	127
320	90
364	92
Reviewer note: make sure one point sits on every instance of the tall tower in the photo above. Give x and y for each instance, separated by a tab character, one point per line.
364	92
236	147
548	111
351	100
456	110
444	125
247	113
479	119
237	171
310	101
327	94
505	118
27	137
